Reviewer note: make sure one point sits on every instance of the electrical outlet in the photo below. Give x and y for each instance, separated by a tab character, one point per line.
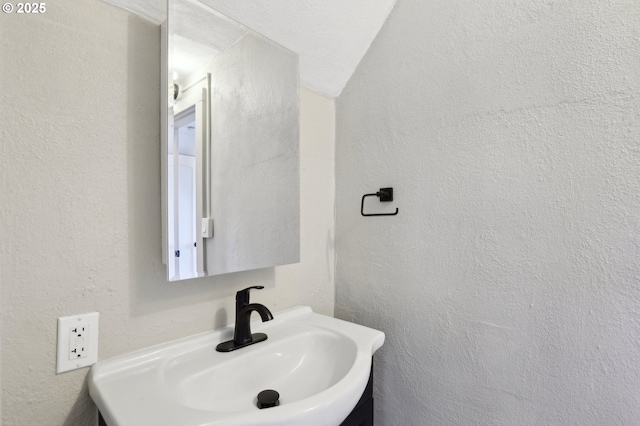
77	341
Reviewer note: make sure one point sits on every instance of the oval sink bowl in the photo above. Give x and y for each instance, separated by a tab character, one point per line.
319	365
291	369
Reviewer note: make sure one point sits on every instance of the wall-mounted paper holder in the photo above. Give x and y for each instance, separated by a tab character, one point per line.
385	195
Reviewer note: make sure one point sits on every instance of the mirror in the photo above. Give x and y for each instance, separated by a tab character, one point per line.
230	146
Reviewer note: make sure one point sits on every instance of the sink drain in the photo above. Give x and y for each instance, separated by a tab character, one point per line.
268	398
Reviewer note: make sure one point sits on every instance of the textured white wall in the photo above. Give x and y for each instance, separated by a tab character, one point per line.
80	196
509	283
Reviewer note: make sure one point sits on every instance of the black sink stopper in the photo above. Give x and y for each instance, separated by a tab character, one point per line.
268	398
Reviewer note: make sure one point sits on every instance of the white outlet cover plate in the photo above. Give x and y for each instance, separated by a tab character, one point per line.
65	325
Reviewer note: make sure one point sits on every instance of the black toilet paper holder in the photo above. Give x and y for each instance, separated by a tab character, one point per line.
385	195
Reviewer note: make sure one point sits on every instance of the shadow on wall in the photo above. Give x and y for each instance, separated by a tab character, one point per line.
83	411
149	289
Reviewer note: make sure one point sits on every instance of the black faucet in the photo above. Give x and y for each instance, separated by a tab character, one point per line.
242	335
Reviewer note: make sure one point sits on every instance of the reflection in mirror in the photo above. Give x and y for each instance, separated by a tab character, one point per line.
182	205
230	149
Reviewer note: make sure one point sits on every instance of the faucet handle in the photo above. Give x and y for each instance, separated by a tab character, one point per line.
242	296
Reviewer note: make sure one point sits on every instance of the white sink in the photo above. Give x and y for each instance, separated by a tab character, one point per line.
319	365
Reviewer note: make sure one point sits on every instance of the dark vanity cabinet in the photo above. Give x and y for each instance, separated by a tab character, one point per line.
362	415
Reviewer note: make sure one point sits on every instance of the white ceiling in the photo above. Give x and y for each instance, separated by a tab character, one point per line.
331	36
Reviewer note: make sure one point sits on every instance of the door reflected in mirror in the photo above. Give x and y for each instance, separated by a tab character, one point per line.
182	203
230	148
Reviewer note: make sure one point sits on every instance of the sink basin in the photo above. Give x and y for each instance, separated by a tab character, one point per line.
319	365
291	368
